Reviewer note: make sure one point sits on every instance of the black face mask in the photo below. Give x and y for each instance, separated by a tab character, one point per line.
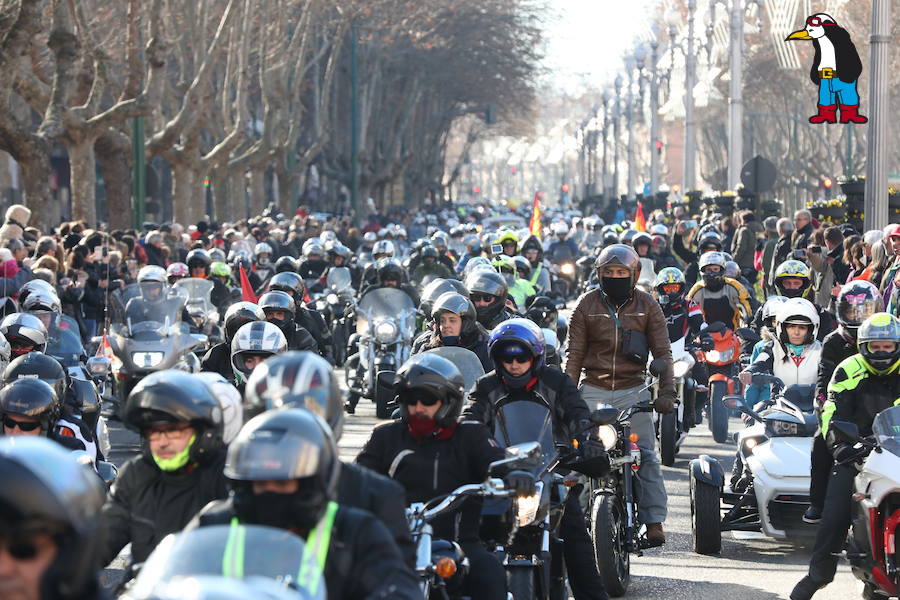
792	293
714	281
287	511
450	340
617	289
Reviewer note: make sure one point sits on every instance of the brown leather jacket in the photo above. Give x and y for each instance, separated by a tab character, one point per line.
595	343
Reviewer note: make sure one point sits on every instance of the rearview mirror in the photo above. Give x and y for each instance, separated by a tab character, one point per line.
734	402
605	415
98	366
844	431
658	366
748	335
520	455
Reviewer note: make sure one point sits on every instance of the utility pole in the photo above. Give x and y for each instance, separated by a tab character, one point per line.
354	125
876	215
690	81
629	120
604	183
654	118
617	129
735	95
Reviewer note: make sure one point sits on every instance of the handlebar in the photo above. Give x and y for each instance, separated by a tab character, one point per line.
492	488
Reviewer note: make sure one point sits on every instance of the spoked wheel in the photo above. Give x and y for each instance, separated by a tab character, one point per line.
610	550
718	412
668	435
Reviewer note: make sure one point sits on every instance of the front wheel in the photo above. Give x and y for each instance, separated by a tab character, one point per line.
610	545
522	583
706	529
384	395
668	436
718	412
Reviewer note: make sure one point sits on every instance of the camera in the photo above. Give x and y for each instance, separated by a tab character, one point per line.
814	249
799	254
496	249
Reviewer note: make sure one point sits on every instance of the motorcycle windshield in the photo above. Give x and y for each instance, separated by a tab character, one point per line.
465	360
388	304
339	279
198	294
525	421
886	429
236	551
64	339
152	313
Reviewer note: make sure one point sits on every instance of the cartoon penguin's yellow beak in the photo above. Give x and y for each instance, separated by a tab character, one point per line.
799	35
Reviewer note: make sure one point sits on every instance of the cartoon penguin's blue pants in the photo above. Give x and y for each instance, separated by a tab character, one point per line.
834	91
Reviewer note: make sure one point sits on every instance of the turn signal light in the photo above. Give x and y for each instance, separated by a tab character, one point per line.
445	568
633	438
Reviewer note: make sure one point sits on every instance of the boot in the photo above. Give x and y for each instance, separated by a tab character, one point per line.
655	534
849	114
827	114
805	589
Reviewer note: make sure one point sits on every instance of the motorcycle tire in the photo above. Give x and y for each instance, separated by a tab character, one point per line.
706	531
668	435
522	583
718	412
608	533
383	399
339	344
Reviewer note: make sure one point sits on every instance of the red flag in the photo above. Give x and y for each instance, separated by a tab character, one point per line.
534	227
247	294
640	222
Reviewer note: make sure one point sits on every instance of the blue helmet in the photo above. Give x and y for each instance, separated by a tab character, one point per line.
517	332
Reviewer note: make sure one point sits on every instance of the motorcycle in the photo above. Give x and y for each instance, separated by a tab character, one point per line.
337	306
871	545
672	429
441	564
261	562
203	314
385	326
773	491
722	362
152	344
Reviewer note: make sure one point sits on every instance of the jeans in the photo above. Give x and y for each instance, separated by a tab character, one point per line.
834	91
653	500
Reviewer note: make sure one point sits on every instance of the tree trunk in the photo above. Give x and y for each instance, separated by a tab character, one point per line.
182	194
222	204
115	161
257	190
83	168
36	193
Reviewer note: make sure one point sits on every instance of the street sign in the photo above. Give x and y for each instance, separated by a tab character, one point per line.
758	175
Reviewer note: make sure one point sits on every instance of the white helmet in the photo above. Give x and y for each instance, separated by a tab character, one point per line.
151	273
230	400
659	229
383	247
770	308
262	248
258	337
5	352
560	228
799	311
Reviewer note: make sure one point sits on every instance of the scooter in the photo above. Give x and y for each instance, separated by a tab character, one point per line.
871	545
773	491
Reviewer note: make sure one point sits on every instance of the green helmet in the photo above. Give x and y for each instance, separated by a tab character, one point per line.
219	269
880	327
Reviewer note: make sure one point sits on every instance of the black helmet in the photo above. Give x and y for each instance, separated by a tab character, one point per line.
35	365
429	252
31	398
23	330
523	267
451	302
198	258
286	264
389	269
284	444
619	255
241	313
435	376
709	240
272	301
543	311
491	283
45	490
301	380
173	396
291	283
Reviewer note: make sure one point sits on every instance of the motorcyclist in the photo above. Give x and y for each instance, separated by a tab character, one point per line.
47	307
153	304
391	275
176	271
861	387
218	358
455	324
472	249
719	297
488	291
561	249
223	290
518	288
613	377
509	241
252	344
305	380
179	469
339	255
50	526
313	264
856	302
733	271
313	322
683	316
31	407
264	265
381	249
517	351
533	251
792	279
283	469
708	241
25	333
286	264
280	310
659	251
441	241
430	453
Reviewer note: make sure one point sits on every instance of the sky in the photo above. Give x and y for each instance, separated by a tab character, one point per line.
586	39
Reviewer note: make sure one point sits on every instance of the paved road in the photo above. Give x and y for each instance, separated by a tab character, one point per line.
746	570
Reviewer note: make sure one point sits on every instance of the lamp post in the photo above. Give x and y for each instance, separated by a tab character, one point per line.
616	133
604	183
630	65
688	47
876	216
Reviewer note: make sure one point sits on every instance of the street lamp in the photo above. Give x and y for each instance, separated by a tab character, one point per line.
630	65
876	216
689	171
617	127
653	79
604	184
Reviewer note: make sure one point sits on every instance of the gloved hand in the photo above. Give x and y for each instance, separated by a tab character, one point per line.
707	342
664	404
592	449
846	453
520	482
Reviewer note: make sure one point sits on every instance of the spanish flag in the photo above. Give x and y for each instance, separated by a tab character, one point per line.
640	222
534	227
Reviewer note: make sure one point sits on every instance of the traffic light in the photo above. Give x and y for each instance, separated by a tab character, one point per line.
565	188
827	183
476	190
659	147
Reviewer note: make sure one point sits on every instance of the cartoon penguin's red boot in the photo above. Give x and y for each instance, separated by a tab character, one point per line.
850	114
827	114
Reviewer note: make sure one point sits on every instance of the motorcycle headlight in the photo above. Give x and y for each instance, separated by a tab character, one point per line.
331	298
385	331
782	428
146	360
567	269
720	357
682	367
527	506
608	436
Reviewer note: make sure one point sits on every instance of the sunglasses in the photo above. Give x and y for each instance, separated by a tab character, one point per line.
817	22
21	549
23	426
672	288
482	297
411	399
519	358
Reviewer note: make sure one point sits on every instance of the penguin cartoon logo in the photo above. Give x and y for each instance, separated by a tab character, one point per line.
835	69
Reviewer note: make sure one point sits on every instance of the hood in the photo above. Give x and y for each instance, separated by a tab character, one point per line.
532	242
